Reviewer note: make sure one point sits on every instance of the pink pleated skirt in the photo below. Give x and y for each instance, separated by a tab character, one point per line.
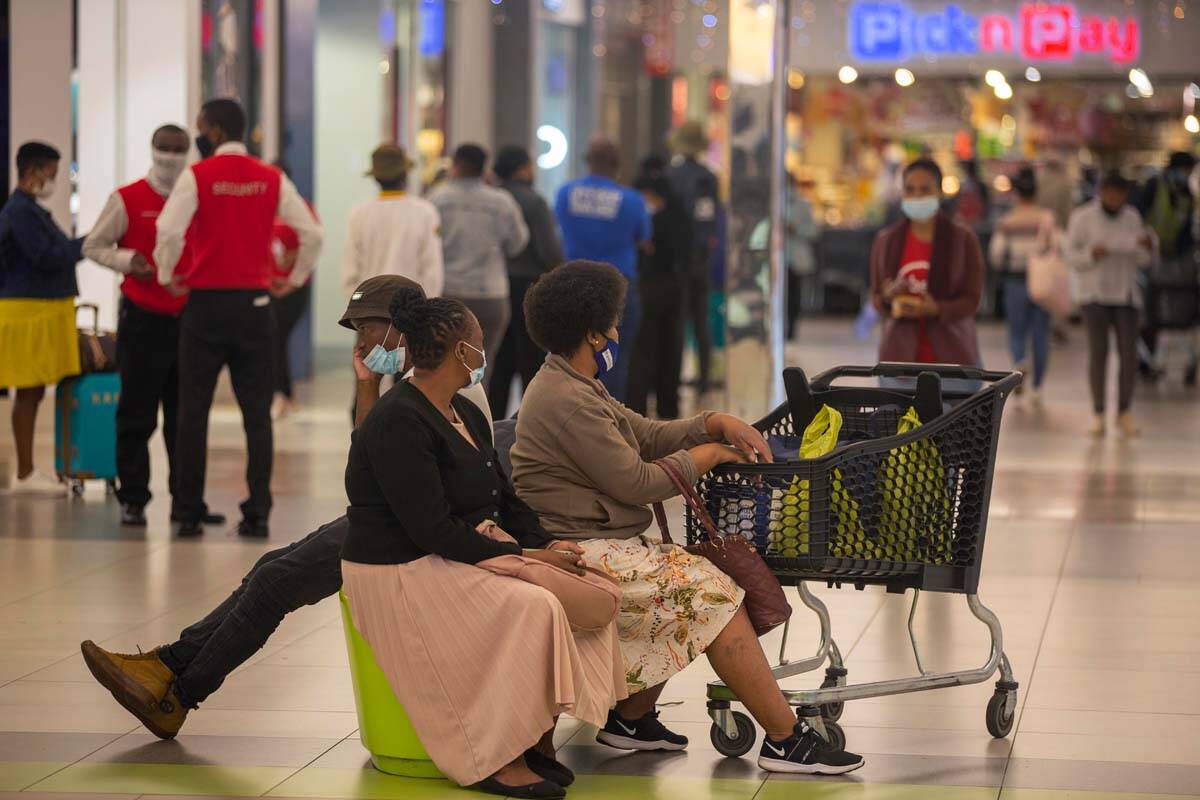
481	662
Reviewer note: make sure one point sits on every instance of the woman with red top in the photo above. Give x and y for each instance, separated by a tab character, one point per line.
285	244
926	277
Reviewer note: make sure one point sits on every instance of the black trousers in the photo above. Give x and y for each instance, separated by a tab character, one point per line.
288	312
148	360
233	328
657	357
283	580
518	355
698	288
1123	321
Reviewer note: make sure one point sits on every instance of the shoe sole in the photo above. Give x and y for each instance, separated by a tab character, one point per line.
128	693
626	743
792	768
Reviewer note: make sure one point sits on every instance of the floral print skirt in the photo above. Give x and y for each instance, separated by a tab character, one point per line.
673	604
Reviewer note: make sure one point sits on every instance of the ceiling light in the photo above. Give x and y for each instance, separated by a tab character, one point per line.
994	78
1033	75
1004	91
847	74
904	77
1191	124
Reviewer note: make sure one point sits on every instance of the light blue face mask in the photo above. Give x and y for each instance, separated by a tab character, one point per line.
919	209
477	373
382	361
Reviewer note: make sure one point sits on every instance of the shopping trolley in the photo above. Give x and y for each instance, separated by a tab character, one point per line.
904	511
1172	301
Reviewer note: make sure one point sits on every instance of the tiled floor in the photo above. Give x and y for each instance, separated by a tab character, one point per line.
1090	563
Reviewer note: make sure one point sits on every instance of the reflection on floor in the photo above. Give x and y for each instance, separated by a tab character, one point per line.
1090	563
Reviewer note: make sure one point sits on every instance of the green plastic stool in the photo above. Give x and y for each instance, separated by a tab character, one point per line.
383	725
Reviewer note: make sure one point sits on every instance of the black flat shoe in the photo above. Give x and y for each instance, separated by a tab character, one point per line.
544	790
190	530
253	530
208	518
133	516
549	768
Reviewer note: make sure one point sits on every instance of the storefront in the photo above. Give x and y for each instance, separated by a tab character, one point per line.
1090	85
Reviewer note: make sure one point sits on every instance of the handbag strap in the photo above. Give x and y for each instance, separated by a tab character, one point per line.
690	496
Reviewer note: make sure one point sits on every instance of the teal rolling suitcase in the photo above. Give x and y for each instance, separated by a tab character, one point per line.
85	429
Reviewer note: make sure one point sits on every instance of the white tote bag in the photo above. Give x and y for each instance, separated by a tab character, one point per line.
1049	278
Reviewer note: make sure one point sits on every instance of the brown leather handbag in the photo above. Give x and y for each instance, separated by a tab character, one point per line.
734	555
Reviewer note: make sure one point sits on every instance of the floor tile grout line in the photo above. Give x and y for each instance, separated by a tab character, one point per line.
1062	569
112	741
314	760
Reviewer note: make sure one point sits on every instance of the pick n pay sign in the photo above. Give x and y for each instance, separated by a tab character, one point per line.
889	30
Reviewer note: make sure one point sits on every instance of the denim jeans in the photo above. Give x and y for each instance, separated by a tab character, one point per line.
1026	319
283	580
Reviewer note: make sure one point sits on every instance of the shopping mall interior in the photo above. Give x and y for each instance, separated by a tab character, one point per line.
989	599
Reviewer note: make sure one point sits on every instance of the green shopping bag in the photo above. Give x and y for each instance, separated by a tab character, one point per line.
915	525
790	528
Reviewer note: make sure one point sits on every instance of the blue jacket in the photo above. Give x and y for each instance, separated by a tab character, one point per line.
602	220
37	260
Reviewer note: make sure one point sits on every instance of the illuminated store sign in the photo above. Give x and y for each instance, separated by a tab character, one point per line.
894	31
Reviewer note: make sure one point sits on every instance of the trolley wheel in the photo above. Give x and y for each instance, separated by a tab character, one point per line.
835	736
999	723
832	712
734	748
77	488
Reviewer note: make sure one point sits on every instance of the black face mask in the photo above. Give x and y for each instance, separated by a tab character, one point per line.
1111	212
204	147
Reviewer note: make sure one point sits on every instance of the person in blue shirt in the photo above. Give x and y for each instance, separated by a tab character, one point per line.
601	220
38	340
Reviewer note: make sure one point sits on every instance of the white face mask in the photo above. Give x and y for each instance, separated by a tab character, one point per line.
46	190
167	167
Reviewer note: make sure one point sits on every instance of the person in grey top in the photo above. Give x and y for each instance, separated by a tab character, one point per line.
518	354
1106	245
482	227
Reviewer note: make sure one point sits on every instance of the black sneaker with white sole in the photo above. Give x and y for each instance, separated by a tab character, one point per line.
646	733
806	753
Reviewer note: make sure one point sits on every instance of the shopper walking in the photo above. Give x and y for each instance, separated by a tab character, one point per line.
482	227
148	323
657	355
1168	207
926	277
230	201
1027	230
601	220
1106	245
38	344
518	355
393	233
699	191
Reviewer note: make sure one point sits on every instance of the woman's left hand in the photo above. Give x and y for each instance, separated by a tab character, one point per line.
565	547
741	436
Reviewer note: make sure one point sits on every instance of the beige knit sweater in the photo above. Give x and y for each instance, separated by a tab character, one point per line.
584	462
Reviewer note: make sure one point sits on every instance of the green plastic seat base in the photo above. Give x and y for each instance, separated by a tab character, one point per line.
383	725
405	767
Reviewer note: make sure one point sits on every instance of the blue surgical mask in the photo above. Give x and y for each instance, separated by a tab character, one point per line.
477	373
382	361
919	209
606	358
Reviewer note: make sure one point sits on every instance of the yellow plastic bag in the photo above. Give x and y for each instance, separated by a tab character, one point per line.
790	528
916	522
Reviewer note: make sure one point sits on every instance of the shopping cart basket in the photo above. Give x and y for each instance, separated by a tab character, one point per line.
904	511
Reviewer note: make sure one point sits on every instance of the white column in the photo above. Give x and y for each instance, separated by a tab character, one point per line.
40	87
469	89
140	69
270	89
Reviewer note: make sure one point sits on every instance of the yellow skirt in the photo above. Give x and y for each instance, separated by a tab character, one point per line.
39	344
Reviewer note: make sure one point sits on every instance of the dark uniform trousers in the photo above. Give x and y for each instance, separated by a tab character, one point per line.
147	359
234	328
518	354
657	358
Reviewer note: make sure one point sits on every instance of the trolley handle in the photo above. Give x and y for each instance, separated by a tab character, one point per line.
95	309
890	369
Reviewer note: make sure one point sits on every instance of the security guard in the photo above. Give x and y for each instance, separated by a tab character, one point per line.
148	328
229	200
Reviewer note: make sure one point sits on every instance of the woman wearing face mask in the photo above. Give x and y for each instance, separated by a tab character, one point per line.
148	325
482	663
585	464
38	340
926	277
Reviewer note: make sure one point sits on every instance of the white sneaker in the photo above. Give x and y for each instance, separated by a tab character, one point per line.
37	484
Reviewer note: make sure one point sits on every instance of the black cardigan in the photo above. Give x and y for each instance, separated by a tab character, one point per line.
417	487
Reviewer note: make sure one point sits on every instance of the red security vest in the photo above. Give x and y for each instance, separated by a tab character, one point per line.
142	207
230	235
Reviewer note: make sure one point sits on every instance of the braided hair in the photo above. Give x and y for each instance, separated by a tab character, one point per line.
431	325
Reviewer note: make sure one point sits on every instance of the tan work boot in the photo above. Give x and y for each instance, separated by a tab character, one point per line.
142	684
1127	424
